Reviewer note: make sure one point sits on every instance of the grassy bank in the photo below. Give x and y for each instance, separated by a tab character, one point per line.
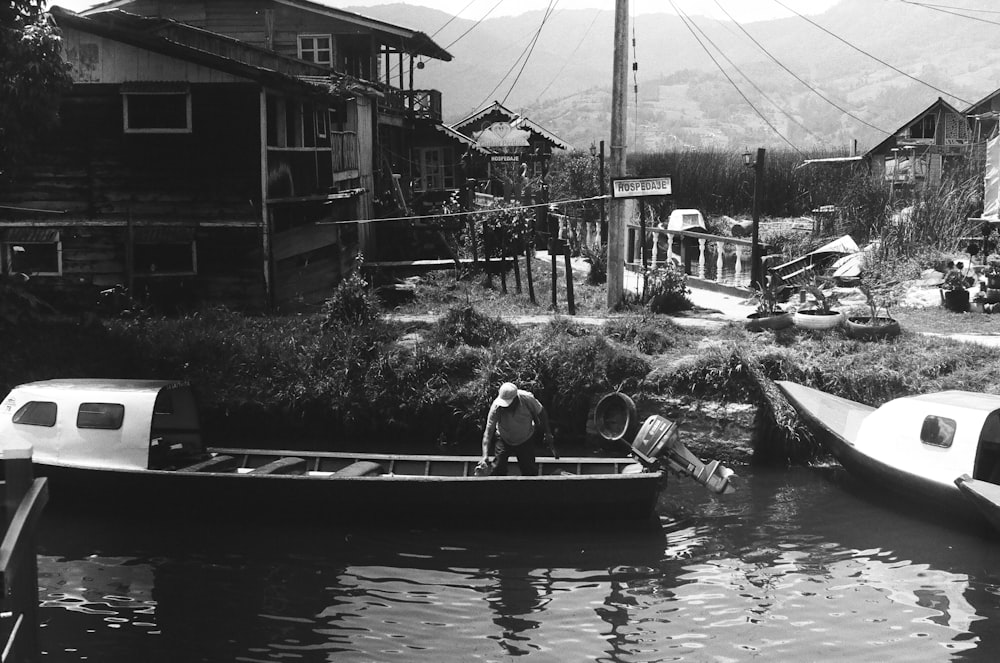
310	379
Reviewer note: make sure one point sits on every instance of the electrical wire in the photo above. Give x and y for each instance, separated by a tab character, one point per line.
448	22
461	36
473	26
509	71
490	210
686	19
545	17
873	57
754	85
570	56
945	9
799	79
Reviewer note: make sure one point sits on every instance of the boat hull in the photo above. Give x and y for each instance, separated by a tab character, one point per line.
834	422
328	498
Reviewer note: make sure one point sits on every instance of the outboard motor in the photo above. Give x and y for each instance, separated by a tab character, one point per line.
657	443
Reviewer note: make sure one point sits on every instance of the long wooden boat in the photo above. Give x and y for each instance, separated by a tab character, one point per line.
138	444
917	446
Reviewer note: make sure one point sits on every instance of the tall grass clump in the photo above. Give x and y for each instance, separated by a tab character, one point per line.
465	325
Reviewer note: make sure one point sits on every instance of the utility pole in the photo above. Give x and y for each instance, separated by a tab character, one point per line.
756	277
616	224
604	220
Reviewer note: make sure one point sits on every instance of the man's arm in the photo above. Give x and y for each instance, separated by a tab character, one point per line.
490	430
542	420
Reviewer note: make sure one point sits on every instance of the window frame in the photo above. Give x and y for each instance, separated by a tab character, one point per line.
191	243
188	127
9	246
21	410
943	431
315	50
117	411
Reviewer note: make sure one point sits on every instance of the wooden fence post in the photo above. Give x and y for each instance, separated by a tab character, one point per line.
528	255
570	302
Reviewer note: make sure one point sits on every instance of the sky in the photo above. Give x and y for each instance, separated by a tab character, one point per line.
741	10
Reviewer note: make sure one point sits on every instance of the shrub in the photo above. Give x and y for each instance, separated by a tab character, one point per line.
352	302
598	261
666	289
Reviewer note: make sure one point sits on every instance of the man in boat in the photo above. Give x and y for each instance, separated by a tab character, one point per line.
516	421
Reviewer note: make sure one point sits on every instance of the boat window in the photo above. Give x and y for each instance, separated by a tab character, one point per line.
100	415
36	413
938	431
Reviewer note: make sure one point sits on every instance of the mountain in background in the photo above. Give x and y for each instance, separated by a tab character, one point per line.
678	98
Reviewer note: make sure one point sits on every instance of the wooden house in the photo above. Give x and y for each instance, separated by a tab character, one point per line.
924	149
382	55
515	147
191	167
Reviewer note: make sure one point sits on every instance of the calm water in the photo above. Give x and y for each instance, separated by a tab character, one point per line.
796	566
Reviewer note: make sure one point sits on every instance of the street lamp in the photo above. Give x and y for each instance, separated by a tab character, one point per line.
756	278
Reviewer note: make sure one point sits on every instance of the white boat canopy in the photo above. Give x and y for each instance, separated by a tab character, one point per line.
937	436
101	423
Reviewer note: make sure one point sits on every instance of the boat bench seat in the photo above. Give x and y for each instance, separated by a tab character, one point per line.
287	465
361	468
220	463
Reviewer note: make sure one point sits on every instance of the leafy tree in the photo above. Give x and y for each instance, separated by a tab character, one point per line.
33	76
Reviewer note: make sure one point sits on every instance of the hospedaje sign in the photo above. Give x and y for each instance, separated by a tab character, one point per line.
640	187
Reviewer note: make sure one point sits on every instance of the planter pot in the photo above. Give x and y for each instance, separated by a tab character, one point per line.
956	300
977	307
993	281
862	328
992	295
818	320
761	321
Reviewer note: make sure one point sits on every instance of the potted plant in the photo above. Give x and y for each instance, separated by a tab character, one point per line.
992	274
954	291
769	313
820	314
878	295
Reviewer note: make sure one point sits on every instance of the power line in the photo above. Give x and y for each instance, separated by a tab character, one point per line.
945	9
510	70
753	85
798	78
545	17
687	20
392	70
448	22
873	57
570	56
490	210
473	26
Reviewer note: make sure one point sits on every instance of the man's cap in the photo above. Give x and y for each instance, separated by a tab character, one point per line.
507	394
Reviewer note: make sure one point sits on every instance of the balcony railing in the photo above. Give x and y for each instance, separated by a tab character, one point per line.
297	172
417	104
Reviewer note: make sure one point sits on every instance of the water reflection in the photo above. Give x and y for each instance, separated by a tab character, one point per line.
792	567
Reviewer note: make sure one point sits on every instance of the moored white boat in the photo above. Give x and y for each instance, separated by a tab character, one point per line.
917	446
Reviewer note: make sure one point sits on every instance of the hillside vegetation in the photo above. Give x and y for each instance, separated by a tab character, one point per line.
683	99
